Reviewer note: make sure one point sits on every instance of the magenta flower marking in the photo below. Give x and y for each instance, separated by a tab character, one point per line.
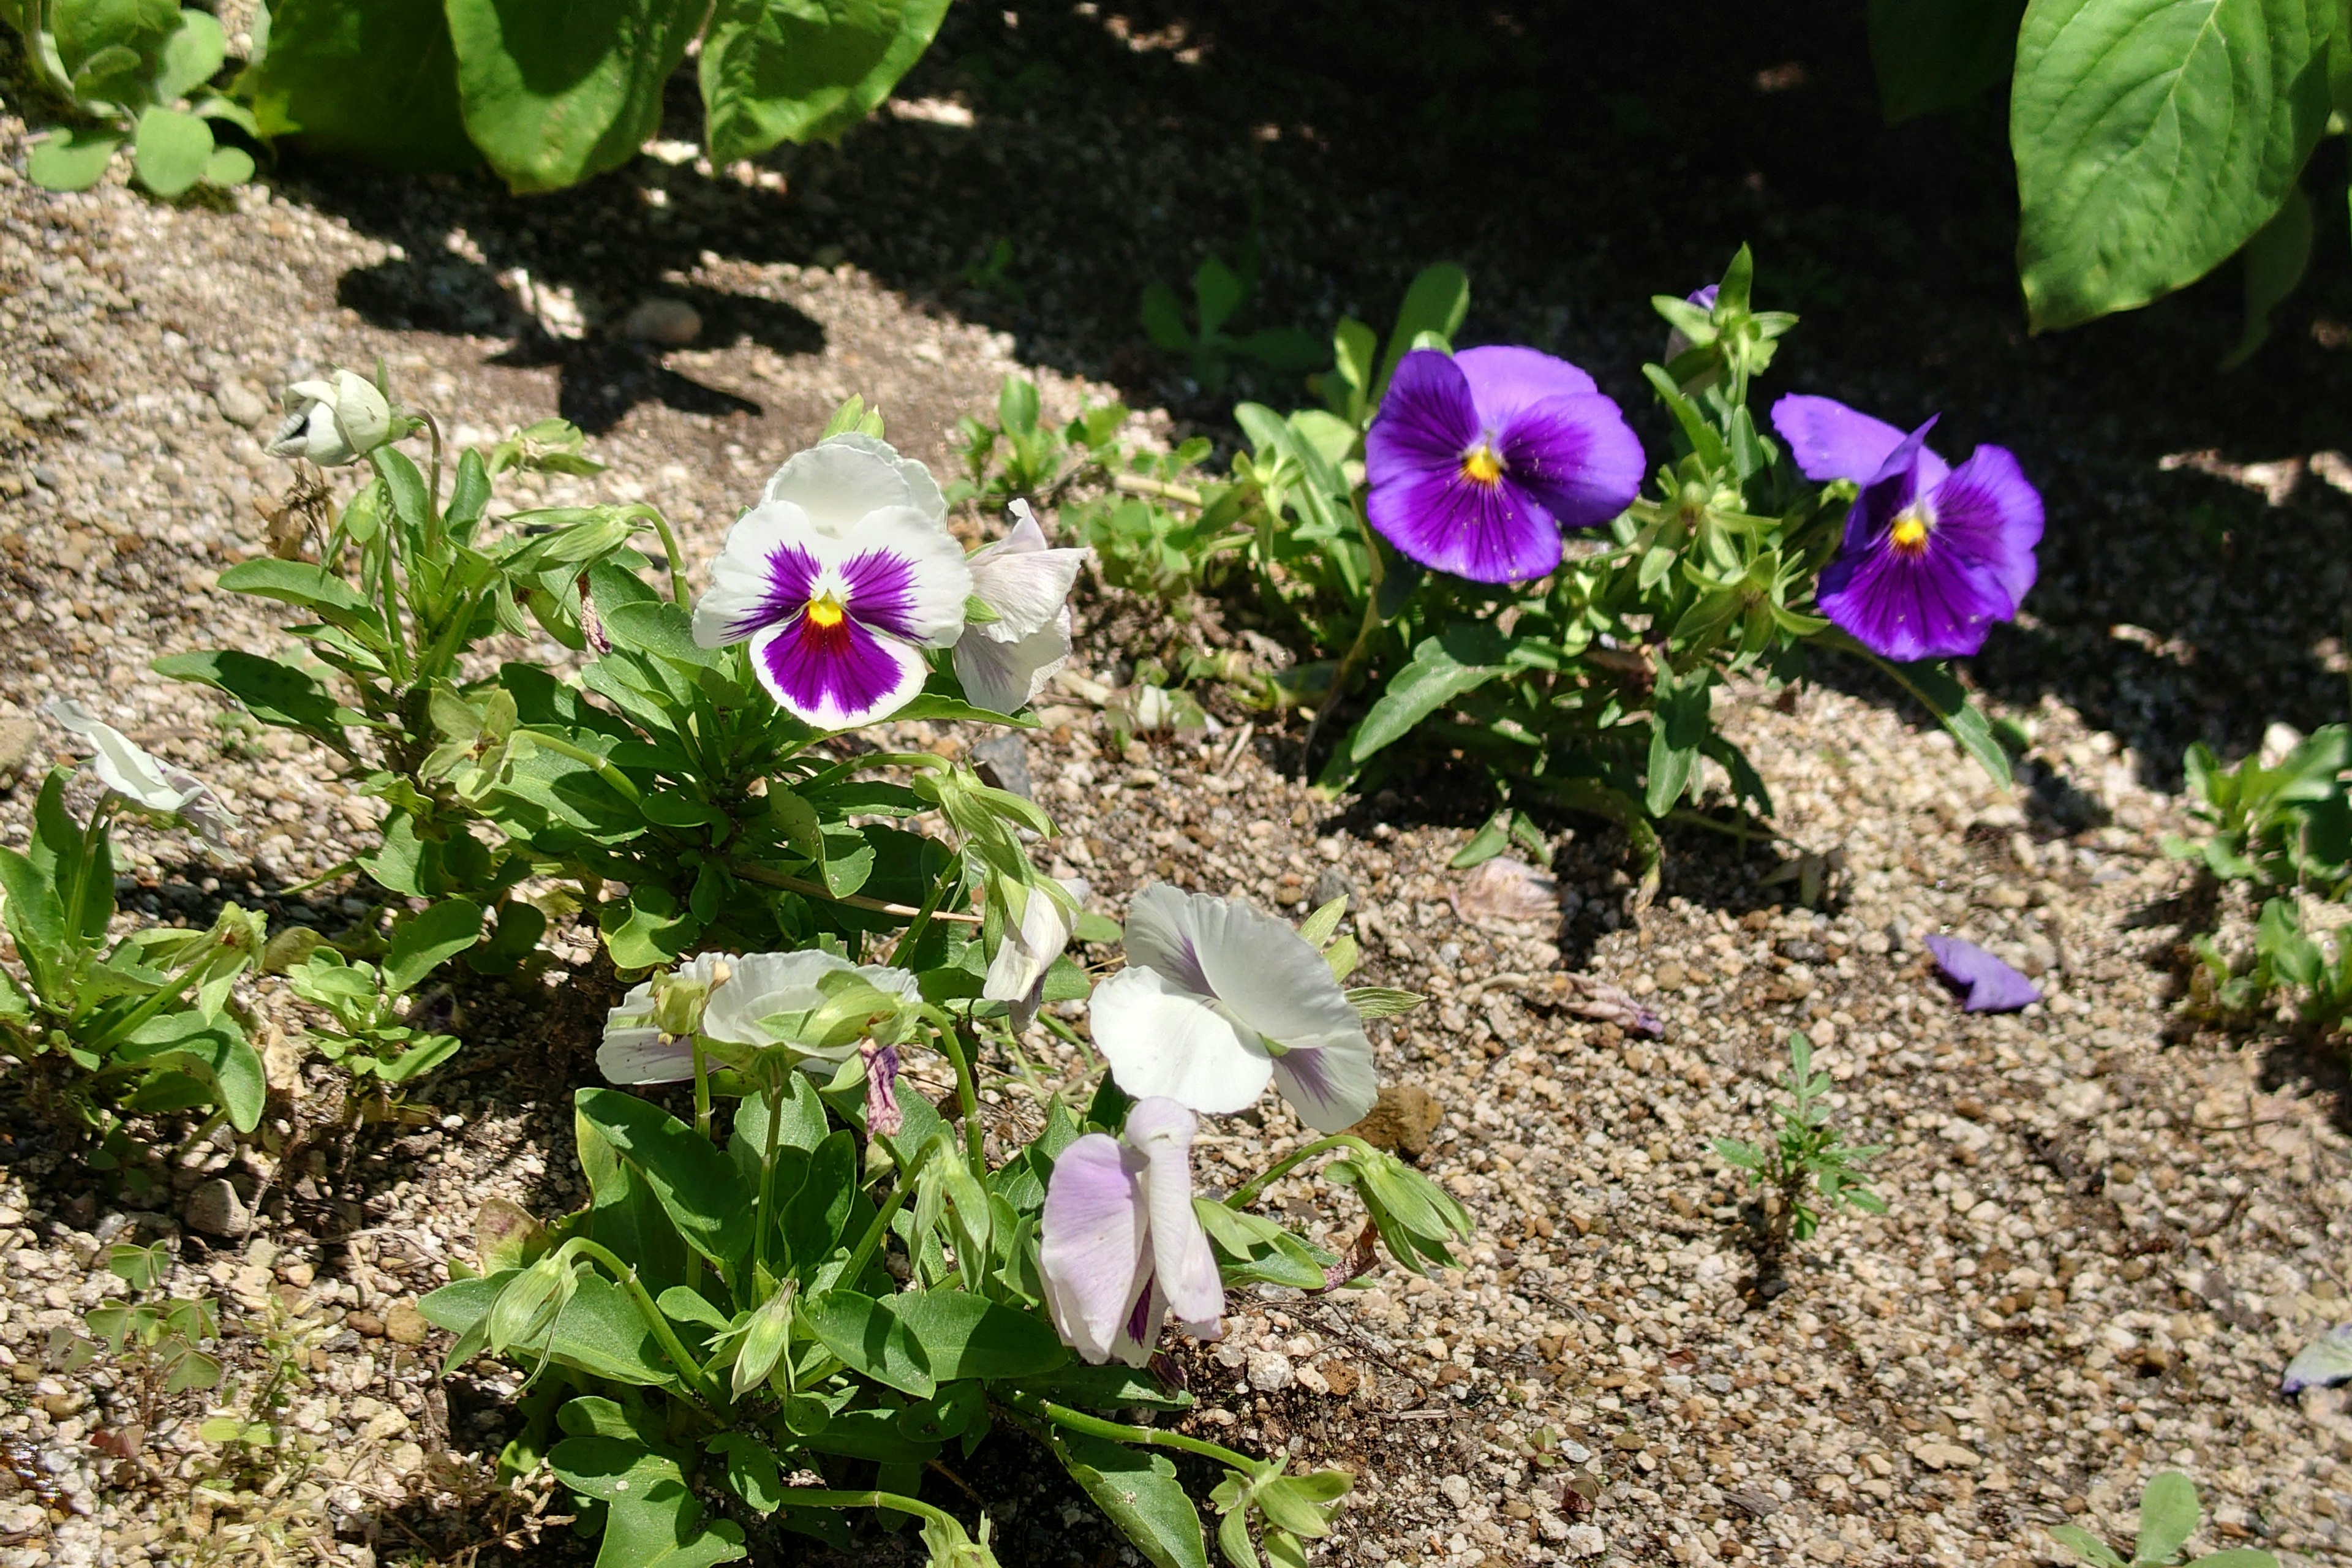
1932	555
1478	462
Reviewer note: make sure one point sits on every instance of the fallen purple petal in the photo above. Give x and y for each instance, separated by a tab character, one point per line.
1992	987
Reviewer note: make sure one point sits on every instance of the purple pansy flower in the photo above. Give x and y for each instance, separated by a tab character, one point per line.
1478	460
837	604
1992	987
1119	1244
1932	555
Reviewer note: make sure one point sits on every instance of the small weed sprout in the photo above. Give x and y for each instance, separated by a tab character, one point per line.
153	1339
1807	1173
2167	1518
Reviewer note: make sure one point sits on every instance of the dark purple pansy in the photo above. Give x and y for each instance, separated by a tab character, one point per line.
1992	986
1932	555
1479	459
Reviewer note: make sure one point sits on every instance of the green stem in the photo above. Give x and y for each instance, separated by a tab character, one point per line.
1096	1427
806	889
1246	1194
161	998
819	1496
914	932
388	588
881	1225
677	566
1349	660
1142	484
975	1138
1062	1027
581	754
679	1356
761	1216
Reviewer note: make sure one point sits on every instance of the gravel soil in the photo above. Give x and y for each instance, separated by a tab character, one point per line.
2109	1226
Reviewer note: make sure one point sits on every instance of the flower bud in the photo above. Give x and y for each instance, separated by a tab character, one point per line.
527	1308
764	1341
331	423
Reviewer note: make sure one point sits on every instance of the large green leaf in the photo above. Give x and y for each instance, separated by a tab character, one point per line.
1936	55
422	941
966	1335
170	149
795	70
2153	138
273	692
695	1182
555	94
311	586
2168	1517
72	160
1442	668
83	29
377	82
189	57
872	1338
1139	1492
651	1519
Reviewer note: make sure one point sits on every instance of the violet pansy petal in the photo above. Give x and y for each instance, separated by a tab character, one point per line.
1506	378
1987	512
1092	1242
838	677
1006	677
1827	440
1576	457
1992	987
1907	608
1331	1087
906	575
1485	532
1182	1265
744	592
1161	1040
1428	418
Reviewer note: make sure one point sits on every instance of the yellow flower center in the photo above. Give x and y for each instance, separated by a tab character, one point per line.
1909	533
1480	465
825	610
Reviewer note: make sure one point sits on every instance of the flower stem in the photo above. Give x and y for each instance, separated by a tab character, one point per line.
819	1496
881	1225
806	889
604	770
975	1139
679	1356
1246	1194
1062	1415
761	1216
1349	660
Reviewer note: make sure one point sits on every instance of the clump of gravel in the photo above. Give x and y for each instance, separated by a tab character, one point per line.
2102	1247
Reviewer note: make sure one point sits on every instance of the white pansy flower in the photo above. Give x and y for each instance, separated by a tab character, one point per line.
1005	663
636	1048
767	984
1029	947
148	782
1119	1244
1218	997
843	478
332	422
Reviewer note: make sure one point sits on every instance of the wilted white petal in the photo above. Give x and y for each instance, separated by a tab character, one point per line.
767	983
1006	677
633	1050
1023	580
1028	949
1164	1039
144	781
1184	1267
1092	1244
332	422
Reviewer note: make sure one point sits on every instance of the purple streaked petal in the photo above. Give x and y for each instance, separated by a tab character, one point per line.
1159	936
837	677
1494	533
880	586
1183	1265
1427	418
1092	1243
1576	455
1988	513
882	1112
1908	607
1331	1087
1992	987
1827	440
1259	969
1505	379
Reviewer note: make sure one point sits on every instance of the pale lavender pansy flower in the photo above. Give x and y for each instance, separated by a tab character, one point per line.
636	1048
1932	555
769	986
1992	986
1119	1244
1016	974
146	782
1477	460
1218	997
837	608
1005	663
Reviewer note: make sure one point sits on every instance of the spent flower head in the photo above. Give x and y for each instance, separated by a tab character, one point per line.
1025	584
144	782
333	422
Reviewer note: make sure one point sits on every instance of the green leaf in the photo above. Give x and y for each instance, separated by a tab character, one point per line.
552	95
1140	1494
189	57
752	1473
1933	55
2089	1547
2153	138
659	627
37	919
377	82
311	586
964	1335
801	72
872	1339
2168	1517
1382	1001
696	1185
84	28
2274	262
1679	726
1162	317
169	151
71	160
422	941
1437	300
651	1519
1435	677
2235	1557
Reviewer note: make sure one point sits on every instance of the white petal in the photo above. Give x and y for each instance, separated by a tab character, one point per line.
644	1055
1332	1088
1259	967
121	765
1023	581
1186	1269
837	482
763	985
1006	677
739	583
923	491
1091	1242
1161	1039
1029	949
